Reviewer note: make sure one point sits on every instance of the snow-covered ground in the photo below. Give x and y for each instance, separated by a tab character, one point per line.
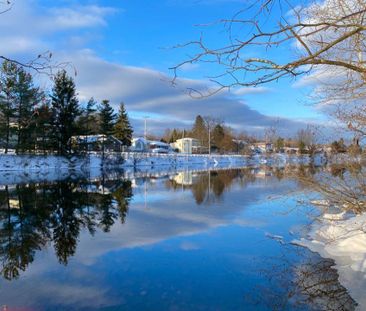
37	168
341	236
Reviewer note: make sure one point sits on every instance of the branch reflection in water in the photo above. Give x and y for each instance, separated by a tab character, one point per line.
308	282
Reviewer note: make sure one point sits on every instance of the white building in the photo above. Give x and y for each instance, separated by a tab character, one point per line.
142	145
159	147
188	145
139	144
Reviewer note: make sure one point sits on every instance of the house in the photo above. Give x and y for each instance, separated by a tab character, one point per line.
143	145
291	150
188	145
96	143
159	147
262	147
139	144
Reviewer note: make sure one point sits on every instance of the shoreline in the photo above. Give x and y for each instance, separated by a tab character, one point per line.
38	168
11	162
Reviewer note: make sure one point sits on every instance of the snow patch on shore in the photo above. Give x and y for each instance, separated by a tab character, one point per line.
342	237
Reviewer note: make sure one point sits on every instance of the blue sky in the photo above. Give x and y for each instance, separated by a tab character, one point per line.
122	51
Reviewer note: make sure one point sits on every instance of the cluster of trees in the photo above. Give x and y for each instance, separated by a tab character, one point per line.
339	146
211	133
30	120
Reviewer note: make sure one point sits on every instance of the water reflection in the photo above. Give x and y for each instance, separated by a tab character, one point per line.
33	215
152	243
210	186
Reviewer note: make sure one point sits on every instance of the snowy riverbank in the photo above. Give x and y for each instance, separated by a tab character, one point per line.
36	168
341	236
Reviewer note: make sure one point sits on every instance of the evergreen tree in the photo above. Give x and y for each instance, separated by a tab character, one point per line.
107	118
43	130
65	110
27	97
7	109
175	134
218	135
199	130
88	121
122	129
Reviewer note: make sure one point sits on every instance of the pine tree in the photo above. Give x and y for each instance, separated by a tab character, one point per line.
7	99
218	136
27	97
65	110
43	130
122	129
199	130
107	118
88	121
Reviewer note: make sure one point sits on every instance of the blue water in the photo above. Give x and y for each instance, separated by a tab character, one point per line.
202	241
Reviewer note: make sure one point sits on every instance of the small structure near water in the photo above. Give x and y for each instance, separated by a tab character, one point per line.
96	143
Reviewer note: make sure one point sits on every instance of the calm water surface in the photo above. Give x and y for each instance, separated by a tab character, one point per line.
209	240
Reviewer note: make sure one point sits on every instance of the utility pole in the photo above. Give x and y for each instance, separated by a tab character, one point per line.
209	139
145	126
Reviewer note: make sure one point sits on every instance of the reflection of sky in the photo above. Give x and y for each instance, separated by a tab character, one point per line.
173	255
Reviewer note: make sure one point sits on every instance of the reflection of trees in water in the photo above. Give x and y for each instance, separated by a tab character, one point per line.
209	186
301	280
33	215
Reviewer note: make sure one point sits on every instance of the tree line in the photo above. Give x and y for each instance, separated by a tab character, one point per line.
31	120
210	132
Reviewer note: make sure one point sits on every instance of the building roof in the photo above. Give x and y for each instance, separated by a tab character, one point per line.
186	138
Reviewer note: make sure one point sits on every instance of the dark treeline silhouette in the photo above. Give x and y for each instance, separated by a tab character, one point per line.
32	216
33	121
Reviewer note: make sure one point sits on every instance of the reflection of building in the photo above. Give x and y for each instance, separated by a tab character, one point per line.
14	203
184	178
188	145
263	173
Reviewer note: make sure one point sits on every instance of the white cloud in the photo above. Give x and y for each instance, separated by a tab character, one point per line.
28	25
145	91
251	90
79	17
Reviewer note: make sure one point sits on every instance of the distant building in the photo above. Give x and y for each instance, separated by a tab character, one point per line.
139	144
159	147
291	150
262	147
96	143
142	145
188	145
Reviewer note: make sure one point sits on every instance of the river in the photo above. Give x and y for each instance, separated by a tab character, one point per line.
203	240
